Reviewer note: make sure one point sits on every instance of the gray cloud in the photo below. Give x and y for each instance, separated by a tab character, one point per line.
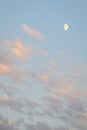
38	126
6	124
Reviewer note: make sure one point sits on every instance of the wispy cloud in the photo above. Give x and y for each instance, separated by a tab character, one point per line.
21	51
62	54
12	72
63	98
18	49
33	32
45	79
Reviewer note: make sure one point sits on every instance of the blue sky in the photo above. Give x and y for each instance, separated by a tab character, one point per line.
43	67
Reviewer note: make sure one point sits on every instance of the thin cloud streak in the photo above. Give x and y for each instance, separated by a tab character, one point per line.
33	32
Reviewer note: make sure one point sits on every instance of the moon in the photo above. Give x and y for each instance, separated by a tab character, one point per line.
66	27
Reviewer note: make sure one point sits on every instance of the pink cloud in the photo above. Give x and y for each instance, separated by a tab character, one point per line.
53	98
63	91
5	98
9	43
33	32
22	51
12	72
45	79
3	69
18	49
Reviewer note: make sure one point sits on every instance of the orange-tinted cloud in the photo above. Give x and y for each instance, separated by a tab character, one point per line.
5	98
33	32
3	69
45	79
18	49
21	51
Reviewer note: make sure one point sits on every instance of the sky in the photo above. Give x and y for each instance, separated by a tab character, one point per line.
43	65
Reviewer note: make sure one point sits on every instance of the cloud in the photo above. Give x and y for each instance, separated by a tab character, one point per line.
33	32
9	89
62	54
18	49
9	43
51	99
75	103
21	51
8	62
6	59
6	124
3	69
62	128
45	79
53	63
64	88
38	126
39	51
70	109
5	99
11	72
14	104
32	103
64	104
18	104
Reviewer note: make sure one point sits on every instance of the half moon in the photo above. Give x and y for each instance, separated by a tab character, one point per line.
66	27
